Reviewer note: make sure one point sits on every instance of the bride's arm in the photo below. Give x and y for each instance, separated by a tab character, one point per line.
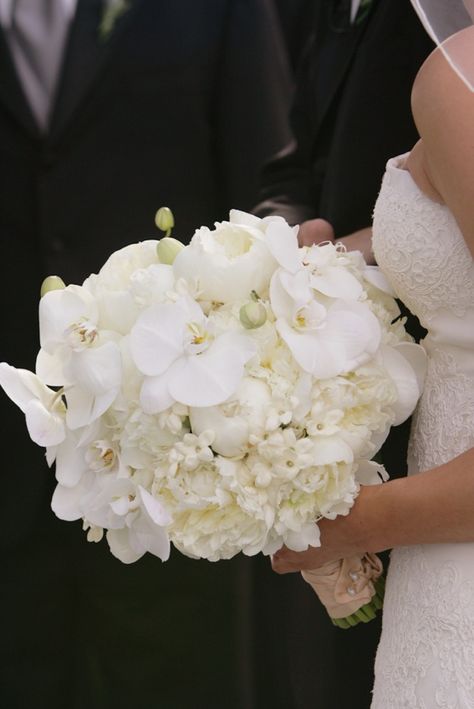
436	506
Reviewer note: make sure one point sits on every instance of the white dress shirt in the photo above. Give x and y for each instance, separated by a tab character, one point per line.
6	10
354	9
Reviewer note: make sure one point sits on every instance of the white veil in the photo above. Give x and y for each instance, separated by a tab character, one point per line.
444	18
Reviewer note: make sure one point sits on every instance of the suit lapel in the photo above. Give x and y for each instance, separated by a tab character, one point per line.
11	92
339	50
85	57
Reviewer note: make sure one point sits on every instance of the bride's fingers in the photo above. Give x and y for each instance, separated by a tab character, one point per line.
286	561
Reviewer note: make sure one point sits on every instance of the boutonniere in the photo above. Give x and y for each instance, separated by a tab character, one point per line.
113	11
363	11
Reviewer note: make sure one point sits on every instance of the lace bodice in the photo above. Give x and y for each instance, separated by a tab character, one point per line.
426	655
421	250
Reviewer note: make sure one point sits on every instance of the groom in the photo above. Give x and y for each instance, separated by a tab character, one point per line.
351	113
108	110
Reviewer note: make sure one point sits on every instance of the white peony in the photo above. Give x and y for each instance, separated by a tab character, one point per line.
229	262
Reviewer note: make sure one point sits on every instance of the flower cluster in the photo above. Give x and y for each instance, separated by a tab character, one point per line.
223	396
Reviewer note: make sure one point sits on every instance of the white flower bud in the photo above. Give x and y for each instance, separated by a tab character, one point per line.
167	249
164	220
51	283
253	315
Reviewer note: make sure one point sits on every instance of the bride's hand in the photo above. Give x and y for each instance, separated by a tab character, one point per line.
345	536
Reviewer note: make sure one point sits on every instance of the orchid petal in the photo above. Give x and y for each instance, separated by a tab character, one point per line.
70	462
22	386
154	395
66	501
282	241
98	369
214	375
153	508
336	282
60	309
377	278
45	428
84	407
156	341
119	544
50	368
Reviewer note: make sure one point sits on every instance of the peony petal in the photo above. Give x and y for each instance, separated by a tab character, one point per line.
156	341
45	428
231	433
237	216
407	377
370	473
331	449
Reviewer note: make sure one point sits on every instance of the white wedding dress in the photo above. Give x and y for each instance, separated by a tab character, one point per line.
425	658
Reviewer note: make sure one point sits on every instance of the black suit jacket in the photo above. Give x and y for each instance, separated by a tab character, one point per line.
179	106
351	113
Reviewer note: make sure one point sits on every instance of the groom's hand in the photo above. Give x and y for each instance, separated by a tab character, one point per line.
316	231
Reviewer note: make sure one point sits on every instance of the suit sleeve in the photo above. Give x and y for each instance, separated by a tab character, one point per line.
253	96
290	184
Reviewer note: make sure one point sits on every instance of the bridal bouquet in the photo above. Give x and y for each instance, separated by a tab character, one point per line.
222	396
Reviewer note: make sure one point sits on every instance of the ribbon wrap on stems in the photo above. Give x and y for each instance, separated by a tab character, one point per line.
350	589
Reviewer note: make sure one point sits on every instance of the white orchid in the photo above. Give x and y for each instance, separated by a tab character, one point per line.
326	340
182	359
135	520
77	356
43	407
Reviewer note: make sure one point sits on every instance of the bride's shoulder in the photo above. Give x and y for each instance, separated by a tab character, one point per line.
443	109
439	86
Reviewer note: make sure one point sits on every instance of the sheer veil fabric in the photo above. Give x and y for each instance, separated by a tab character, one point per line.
443	19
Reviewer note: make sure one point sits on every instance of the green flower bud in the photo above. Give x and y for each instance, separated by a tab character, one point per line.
167	249
164	220
253	315
51	283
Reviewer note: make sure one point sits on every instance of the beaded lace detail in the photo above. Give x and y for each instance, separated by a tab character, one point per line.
426	655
